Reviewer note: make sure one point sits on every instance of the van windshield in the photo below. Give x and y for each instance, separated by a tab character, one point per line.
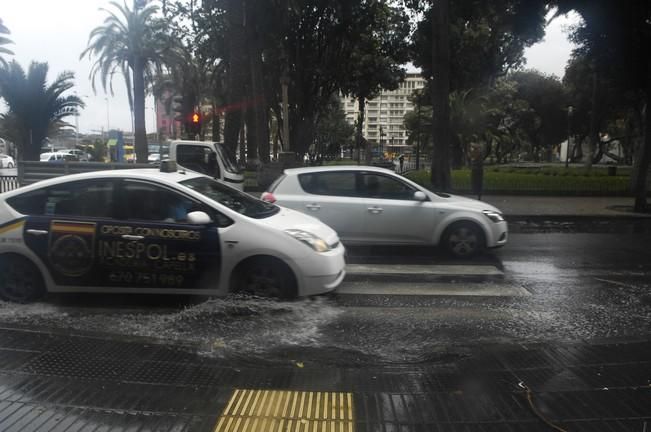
230	163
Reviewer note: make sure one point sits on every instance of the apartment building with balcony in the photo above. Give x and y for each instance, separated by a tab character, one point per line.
383	125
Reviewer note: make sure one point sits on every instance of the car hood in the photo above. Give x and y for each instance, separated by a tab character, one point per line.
460	201
291	219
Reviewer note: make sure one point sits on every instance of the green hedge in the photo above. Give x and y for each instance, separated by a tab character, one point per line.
554	181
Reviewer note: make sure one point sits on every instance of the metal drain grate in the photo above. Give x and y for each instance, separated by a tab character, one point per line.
287	411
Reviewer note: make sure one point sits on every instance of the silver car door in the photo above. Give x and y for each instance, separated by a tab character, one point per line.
332	197
393	215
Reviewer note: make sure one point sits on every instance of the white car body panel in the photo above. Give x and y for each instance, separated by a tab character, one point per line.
315	272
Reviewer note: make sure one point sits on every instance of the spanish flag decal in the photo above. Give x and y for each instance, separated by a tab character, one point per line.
71	247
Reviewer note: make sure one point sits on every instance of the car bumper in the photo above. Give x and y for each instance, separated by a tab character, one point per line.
323	273
499	234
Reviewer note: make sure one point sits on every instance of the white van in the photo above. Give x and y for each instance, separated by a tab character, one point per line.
208	158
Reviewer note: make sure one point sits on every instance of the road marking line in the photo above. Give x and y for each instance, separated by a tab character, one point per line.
273	411
432	289
427	270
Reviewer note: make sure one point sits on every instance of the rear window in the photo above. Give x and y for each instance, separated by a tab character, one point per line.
276	182
341	183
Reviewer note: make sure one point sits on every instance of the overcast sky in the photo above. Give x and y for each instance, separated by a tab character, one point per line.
57	32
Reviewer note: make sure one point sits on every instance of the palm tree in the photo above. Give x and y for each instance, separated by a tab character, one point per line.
36	109
132	42
4	41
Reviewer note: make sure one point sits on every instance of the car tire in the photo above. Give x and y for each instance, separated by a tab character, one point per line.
463	240
10	165
20	280
265	277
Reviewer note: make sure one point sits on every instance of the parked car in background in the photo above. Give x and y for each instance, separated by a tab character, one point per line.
81	155
7	161
370	205
57	157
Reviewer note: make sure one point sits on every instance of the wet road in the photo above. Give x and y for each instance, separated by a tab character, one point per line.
549	288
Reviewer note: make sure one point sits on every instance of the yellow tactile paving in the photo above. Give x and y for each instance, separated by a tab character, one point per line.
287	411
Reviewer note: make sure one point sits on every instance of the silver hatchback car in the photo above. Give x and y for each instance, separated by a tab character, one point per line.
373	206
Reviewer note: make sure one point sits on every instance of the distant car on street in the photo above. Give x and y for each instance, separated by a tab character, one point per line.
371	205
57	157
161	232
7	161
81	155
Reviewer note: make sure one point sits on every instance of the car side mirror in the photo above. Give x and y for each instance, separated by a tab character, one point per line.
198	218
420	196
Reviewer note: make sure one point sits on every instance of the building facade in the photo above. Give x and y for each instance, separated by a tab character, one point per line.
384	123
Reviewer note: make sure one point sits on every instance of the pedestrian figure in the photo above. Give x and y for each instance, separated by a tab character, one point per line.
401	159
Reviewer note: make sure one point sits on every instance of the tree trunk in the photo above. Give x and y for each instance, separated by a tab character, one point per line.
140	133
640	186
216	118
237	72
359	136
260	114
594	121
440	175
251	138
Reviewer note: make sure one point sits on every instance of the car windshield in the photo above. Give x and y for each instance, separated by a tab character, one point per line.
230	163
235	200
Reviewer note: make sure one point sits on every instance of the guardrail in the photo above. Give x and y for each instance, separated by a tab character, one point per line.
31	172
8	183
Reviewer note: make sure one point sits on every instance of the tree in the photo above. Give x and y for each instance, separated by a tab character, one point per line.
36	110
376	63
333	133
4	41
134	43
616	38
546	98
488	39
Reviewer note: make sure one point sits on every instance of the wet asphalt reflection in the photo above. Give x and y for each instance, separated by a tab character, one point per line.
574	287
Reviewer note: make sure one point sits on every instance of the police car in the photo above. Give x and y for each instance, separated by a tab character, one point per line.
159	231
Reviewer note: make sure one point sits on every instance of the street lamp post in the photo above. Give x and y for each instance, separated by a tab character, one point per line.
570	111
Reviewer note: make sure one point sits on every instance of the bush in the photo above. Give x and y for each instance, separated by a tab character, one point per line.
547	181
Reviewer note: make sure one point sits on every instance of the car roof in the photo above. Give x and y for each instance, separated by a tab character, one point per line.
137	173
307	170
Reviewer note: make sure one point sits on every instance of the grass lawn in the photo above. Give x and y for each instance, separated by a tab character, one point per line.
543	180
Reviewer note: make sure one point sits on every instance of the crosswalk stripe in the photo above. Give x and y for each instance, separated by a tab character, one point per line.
423	270
432	289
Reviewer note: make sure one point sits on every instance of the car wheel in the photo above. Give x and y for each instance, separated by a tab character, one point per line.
20	280
463	240
10	165
265	277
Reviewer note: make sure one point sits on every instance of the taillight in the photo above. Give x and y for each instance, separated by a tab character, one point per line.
268	197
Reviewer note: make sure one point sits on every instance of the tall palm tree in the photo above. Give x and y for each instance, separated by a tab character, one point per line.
36	109
131	41
4	41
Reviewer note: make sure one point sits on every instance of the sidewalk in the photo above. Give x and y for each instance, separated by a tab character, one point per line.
516	206
56	382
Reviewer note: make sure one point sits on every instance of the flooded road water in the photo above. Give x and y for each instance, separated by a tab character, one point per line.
574	287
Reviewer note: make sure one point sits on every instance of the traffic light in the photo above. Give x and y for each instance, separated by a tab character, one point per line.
194	125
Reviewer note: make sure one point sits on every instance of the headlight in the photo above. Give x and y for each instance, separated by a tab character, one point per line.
309	239
494	216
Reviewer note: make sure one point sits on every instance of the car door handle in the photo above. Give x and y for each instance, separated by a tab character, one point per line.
313	207
132	237
375	210
37	232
